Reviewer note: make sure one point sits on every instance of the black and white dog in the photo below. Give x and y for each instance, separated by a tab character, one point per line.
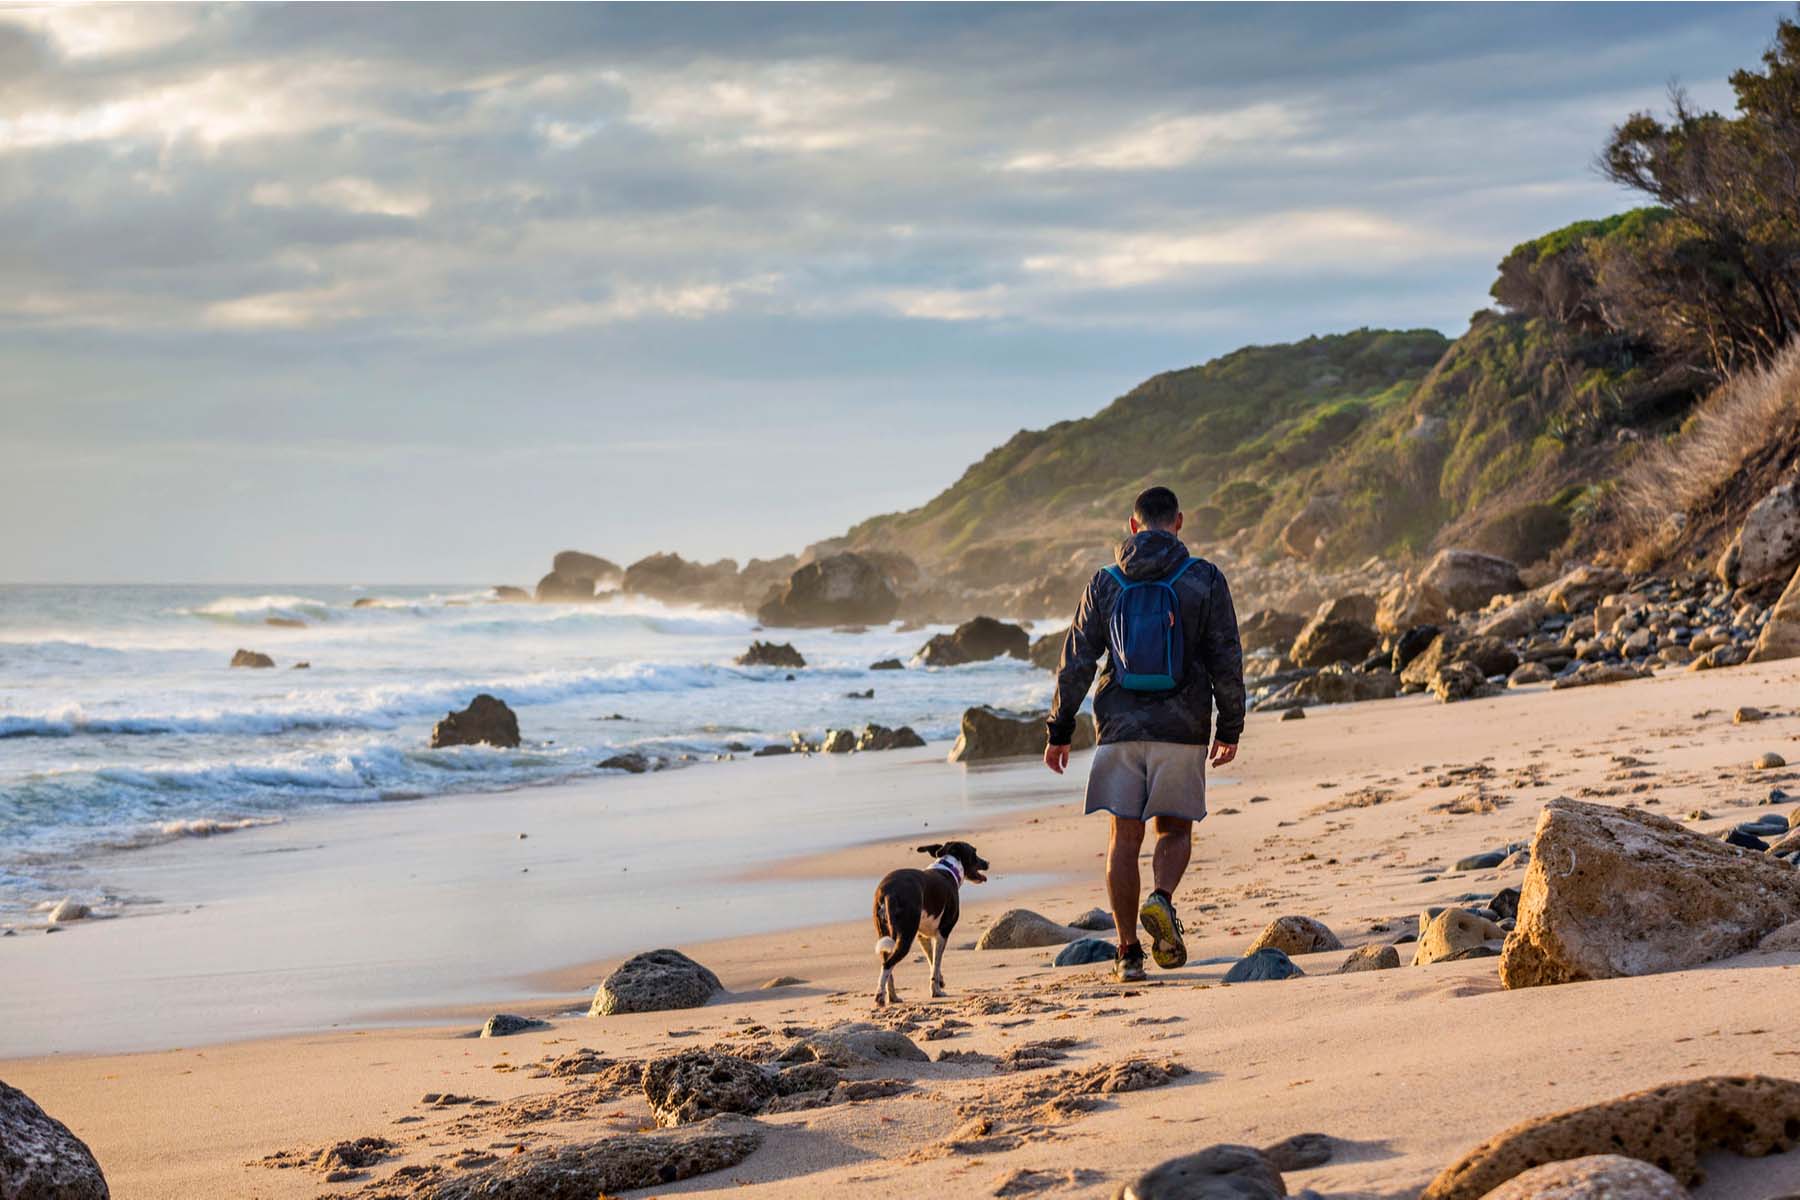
922	904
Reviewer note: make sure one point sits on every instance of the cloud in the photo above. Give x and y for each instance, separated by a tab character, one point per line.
1164	143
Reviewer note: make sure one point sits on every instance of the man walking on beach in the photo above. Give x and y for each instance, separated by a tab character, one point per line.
1165	622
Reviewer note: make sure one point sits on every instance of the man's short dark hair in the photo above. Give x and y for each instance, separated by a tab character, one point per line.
1156	508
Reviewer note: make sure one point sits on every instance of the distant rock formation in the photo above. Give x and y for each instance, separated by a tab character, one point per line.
251	658
487	720
506	594
976	641
839	590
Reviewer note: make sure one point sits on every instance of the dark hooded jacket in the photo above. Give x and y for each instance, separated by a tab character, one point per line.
1214	672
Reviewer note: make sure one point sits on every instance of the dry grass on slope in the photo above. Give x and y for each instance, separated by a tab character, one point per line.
1683	495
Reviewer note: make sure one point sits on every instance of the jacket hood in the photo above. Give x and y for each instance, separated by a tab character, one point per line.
1150	554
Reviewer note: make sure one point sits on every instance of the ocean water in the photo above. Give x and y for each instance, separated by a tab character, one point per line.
121	724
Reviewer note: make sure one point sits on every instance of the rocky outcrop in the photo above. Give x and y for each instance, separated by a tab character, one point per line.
842	589
1468	579
880	737
673	578
1339	631
1596	1175
557	588
251	658
1583	587
487	721
655	981
603	571
39	1158
1269	628
1616	891
1020	929
697	1084
1045	652
976	641
619	1163
1768	544
993	733
838	741
771	654
1671	1126
1296	935
506	594
1780	638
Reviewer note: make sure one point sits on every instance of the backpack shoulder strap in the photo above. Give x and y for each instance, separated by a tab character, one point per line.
1117	575
1178	572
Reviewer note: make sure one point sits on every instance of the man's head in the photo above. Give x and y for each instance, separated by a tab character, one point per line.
1156	508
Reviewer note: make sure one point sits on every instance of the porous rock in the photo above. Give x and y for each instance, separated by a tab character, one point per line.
697	1084
1593	1177
1780	638
655	981
857	1044
40	1159
1372	957
1021	929
617	1163
1452	932
1223	1172
1296	935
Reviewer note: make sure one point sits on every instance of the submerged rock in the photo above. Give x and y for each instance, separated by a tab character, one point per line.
487	721
251	658
655	981
39	1158
978	640
635	764
880	737
771	654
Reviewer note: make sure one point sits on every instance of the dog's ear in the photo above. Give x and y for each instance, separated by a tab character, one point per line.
935	849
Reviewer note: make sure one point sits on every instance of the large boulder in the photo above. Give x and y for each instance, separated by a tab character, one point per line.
671	577
1619	891
994	733
1768	544
1468	579
1780	638
655	981
1584	586
880	737
487	721
1021	929
1515	620
558	588
697	1084
1046	651
1339	631
1408	605
1304	534
39	1158
619	1162
976	641
771	654
1224	1172
1296	935
1268	627
1671	1126
842	589
603	571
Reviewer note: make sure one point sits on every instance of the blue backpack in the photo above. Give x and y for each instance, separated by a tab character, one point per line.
1143	636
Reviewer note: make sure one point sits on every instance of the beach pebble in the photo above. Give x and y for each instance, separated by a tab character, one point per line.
635	764
1769	760
1093	918
1482	861
504	1024
1749	841
697	1084
781	981
1747	714
888	664
1596	1177
39	1158
1295	935
1266	964
1086	952
69	909
1294	714
1505	903
1022	929
1301	1152
1216	1173
655	981
1370	958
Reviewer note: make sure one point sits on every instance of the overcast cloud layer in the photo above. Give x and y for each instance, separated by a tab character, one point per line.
383	294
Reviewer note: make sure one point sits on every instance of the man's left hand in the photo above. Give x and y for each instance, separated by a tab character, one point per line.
1222	753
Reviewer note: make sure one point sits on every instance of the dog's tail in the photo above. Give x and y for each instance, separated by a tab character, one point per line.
886	946
891	950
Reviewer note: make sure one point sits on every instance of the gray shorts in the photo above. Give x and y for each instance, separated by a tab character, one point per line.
1141	780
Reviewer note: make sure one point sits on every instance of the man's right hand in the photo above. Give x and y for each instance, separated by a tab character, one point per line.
1056	758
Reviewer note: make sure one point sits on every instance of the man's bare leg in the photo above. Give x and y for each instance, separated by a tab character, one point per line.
1122	880
1174	846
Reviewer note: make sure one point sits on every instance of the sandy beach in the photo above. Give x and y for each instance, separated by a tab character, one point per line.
1350	816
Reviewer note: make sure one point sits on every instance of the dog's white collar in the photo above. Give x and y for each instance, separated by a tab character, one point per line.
949	863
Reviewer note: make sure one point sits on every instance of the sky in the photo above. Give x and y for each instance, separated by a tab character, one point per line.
395	294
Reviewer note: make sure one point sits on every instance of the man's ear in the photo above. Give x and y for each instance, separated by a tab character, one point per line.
1131	525
934	850
1176	528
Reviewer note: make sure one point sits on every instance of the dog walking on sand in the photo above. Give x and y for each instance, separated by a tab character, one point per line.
1165	623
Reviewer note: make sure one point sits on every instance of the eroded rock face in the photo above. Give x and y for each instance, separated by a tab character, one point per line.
697	1084
1296	935
1669	1126
1780	638
1614	891
655	981
1468	579
39	1158
771	654
1020	928
1597	1175
976	641
608	1165
1216	1173
842	589
487	721
1768	545
993	733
